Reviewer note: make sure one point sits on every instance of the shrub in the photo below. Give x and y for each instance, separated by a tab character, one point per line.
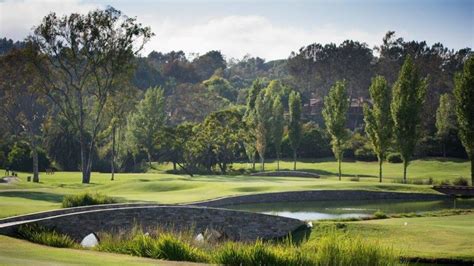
394	158
86	199
461	181
444	182
380	215
355	178
41	235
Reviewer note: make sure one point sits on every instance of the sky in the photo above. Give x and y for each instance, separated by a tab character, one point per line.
265	28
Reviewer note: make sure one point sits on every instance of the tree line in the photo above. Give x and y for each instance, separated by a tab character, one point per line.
76	92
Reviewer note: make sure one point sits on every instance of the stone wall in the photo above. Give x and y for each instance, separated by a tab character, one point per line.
237	225
318	195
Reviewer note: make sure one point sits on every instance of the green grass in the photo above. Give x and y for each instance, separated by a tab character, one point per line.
24	197
20	252
332	248
426	237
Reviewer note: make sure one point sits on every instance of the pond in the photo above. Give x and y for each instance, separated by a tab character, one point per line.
318	210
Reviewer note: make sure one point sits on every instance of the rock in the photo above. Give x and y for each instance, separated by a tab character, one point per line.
90	241
199	238
211	235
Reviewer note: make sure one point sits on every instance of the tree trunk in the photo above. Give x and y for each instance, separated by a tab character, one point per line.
35	164
174	166
112	164
444	149
294	160
339	162
149	158
85	177
405	165
472	170
380	170
262	163
278	161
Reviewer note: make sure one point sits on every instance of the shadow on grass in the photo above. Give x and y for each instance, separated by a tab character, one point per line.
32	195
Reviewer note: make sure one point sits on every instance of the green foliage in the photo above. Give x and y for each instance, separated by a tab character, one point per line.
145	124
394	157
464	95
380	215
19	158
294	127
330	248
461	181
378	119
334	113
445	116
263	115
222	87
162	245
407	103
41	235
278	125
85	199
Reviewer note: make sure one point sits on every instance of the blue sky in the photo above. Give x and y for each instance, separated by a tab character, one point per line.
270	29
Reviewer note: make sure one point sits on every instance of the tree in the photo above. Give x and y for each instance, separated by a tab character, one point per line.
407	102
464	95
24	109
263	115
250	120
79	59
278	125
334	113
294	126
145	124
445	119
378	119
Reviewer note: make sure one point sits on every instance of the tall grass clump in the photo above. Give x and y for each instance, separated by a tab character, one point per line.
332	247
166	246
41	235
85	199
335	248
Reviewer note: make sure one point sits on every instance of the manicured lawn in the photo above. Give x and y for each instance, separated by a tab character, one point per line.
156	186
20	252
426	237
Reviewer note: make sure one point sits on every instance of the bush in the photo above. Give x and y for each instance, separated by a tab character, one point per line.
380	215
394	158
365	153
20	159
41	235
444	182
461	181
86	199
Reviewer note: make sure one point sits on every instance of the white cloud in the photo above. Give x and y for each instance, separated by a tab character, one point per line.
18	17
236	36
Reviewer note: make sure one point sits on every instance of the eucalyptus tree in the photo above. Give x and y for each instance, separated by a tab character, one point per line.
464	95
407	103
294	125
80	59
445	119
23	109
378	119
334	112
